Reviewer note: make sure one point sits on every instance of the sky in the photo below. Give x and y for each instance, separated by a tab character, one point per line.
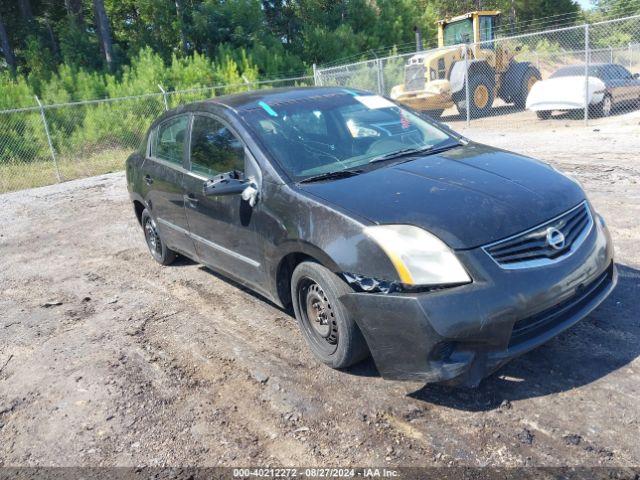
585	4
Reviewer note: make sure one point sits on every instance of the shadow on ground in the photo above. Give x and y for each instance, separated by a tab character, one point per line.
600	344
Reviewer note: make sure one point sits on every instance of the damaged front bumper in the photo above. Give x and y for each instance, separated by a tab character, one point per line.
463	334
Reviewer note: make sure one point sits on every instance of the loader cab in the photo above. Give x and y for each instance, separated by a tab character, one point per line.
472	27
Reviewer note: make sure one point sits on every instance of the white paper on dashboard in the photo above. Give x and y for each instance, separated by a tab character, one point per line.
374	101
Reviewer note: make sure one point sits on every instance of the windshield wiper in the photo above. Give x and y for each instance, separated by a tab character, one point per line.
331	175
430	150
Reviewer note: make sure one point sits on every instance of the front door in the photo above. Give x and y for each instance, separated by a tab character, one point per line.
221	227
630	85
163	172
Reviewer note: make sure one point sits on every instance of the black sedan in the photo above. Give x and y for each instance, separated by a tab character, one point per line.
387	233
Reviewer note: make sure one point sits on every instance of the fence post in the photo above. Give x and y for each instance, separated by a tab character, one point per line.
316	83
630	55
380	80
611	53
587	57
164	97
46	130
466	85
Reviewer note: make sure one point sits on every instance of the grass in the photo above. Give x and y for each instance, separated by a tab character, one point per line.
20	175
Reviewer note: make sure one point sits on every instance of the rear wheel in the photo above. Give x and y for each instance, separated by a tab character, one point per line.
159	251
544	114
480	96
435	114
529	79
330	332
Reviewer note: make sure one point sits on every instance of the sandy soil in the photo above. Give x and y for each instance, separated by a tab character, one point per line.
107	358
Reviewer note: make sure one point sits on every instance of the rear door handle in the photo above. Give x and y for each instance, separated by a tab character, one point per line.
148	180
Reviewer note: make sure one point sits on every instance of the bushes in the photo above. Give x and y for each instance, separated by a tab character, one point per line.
78	130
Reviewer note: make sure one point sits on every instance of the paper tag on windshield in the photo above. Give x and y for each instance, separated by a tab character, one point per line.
374	101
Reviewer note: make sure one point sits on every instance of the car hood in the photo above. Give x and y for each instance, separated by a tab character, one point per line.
563	92
469	196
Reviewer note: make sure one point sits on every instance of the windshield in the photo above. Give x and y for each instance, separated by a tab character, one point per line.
336	132
458	32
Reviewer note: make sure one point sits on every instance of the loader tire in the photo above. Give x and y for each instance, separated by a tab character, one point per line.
529	79
481	94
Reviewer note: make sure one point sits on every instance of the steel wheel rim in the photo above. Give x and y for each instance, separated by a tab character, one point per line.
606	106
318	315
481	96
152	238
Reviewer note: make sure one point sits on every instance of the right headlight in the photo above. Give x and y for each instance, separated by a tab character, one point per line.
419	257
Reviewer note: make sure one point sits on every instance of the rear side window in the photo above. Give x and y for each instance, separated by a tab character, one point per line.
168	140
214	148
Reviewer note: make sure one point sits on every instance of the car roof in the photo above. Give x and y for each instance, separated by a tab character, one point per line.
582	65
274	96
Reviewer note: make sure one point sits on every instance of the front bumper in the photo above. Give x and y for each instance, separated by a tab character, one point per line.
422	100
461	335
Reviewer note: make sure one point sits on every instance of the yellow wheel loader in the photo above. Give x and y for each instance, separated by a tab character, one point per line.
435	80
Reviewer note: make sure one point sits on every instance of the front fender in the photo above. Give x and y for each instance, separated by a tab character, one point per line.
296	222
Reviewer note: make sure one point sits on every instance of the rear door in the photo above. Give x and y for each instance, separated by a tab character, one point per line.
163	172
222	227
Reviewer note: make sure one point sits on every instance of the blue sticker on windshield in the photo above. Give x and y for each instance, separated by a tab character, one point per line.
349	92
268	109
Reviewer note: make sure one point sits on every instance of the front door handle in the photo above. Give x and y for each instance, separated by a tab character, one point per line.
148	180
191	200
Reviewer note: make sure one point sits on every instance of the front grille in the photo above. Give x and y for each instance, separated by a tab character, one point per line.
536	325
414	77
534	247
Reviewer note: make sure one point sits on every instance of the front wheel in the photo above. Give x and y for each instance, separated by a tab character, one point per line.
480	96
159	251
327	326
544	114
604	108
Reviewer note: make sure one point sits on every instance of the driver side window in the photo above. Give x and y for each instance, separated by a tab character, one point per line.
214	148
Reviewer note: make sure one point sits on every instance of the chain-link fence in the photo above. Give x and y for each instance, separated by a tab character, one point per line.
573	74
45	144
530	81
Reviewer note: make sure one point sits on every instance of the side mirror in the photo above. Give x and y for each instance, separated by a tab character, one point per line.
231	184
224	184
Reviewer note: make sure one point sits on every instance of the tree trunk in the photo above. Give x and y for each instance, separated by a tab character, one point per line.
74	10
52	39
104	32
25	10
6	47
183	36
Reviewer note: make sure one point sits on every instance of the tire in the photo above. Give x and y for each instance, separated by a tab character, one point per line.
543	114
481	96
435	114
530	77
159	251
332	335
604	108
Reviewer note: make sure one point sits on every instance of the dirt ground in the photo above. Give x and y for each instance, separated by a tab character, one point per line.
108	359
